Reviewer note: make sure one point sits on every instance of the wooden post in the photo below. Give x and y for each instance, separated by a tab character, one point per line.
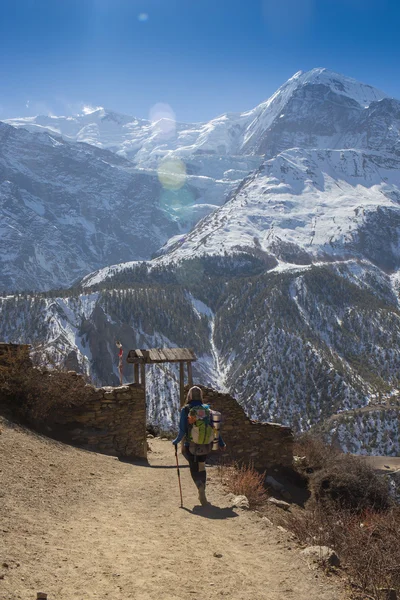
182	383
136	373
143	376
190	374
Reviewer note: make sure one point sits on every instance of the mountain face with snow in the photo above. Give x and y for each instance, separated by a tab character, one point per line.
305	206
277	257
66	208
303	176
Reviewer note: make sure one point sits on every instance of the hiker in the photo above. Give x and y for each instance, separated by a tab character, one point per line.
196	415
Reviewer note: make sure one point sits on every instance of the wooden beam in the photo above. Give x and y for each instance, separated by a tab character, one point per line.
182	384
160	355
155	355
169	355
136	373
190	374
145	354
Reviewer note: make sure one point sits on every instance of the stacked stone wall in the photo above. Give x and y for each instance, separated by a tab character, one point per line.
266	445
111	421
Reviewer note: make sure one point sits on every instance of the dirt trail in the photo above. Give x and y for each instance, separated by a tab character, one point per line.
385	464
80	526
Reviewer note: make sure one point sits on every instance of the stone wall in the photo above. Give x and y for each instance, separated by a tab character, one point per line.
266	445
111	420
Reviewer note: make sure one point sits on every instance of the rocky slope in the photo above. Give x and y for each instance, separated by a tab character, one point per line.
66	207
374	430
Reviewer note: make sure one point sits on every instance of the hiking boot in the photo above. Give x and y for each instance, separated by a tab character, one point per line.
202	495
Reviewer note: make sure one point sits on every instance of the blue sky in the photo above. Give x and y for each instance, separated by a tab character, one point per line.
202	57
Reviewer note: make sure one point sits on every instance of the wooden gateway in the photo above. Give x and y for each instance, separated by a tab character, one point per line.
154	356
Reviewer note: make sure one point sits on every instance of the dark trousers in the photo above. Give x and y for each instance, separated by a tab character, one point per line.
197	466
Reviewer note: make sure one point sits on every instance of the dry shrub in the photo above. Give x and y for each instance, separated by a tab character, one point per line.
34	392
315	451
340	479
367	544
350	484
244	480
352	511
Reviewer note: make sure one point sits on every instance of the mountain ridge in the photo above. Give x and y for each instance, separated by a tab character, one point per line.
235	139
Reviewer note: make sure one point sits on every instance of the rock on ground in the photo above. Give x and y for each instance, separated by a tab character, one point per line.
322	554
277	487
279	503
238	501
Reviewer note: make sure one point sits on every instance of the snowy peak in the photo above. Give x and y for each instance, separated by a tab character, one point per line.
340	84
313	109
100	127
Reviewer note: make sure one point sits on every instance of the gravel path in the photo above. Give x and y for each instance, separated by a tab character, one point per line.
79	526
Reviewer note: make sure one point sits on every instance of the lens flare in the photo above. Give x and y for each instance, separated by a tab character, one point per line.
163	119
172	173
143	17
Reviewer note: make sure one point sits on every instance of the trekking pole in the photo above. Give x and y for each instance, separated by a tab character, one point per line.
179	475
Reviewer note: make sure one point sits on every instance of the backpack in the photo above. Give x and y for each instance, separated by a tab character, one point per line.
200	429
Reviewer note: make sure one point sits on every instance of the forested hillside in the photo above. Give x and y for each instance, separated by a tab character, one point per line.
295	347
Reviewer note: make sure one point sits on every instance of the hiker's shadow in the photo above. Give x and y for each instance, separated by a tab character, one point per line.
212	512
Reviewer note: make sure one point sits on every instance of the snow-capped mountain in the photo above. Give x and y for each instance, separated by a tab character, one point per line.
292	189
144	141
332	174
304	206
102	128
287	285
311	110
68	207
